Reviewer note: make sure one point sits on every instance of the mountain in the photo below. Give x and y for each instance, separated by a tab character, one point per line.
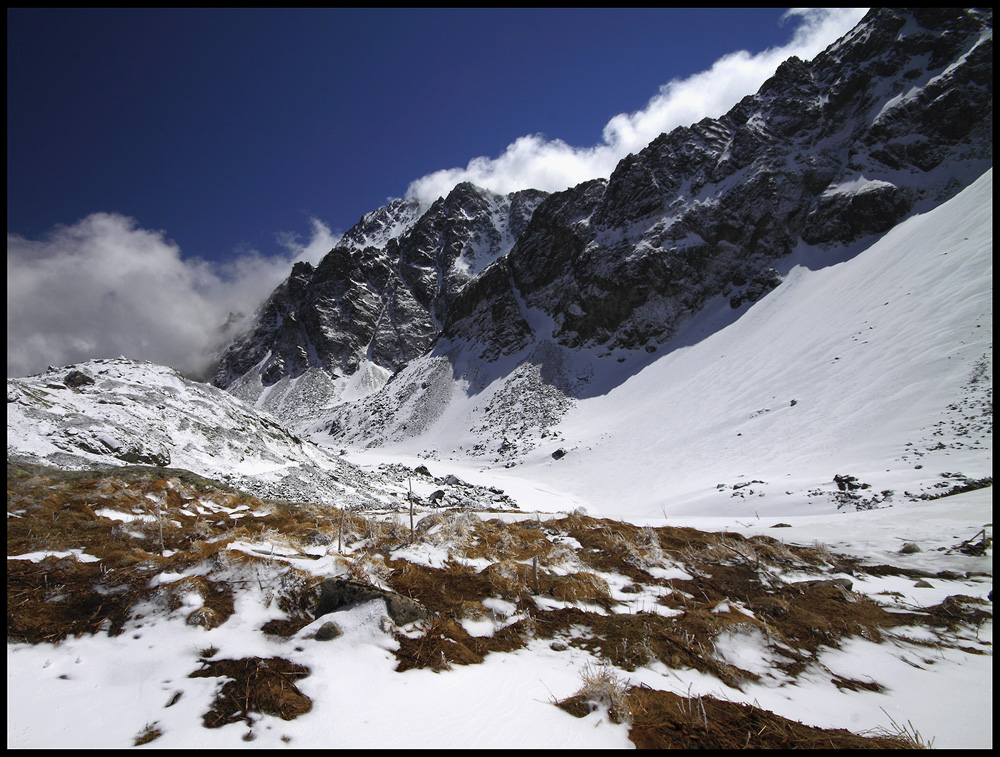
374	302
550	300
722	430
894	117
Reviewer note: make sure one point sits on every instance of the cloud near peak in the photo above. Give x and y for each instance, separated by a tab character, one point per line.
105	287
552	165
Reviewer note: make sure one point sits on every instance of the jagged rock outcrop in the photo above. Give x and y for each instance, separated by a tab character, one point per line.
381	294
896	115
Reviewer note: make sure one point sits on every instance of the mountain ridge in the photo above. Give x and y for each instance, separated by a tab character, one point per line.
888	122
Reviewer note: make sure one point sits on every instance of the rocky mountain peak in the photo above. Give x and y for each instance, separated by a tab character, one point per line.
381	295
893	119
826	152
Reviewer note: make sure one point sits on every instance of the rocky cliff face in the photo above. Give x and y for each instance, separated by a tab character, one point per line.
381	294
893	119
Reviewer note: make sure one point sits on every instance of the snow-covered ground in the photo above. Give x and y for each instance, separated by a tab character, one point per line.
100	691
876	365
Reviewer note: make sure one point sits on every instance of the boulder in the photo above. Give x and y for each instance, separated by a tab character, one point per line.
844	583
205	617
340	593
76	378
328	631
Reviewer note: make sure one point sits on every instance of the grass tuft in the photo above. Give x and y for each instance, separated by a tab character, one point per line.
147	734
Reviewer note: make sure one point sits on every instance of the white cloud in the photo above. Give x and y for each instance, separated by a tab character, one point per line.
105	287
553	165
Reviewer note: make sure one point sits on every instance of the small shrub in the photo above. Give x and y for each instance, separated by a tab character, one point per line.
147	734
601	688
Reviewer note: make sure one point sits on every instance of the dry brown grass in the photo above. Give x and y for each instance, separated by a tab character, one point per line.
531	564
55	598
602	687
147	734
454	591
664	720
254	685
57	511
497	540
444	643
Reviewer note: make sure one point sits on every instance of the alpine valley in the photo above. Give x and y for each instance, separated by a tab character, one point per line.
700	453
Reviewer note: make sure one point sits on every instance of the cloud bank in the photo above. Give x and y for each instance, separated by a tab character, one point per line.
105	287
552	165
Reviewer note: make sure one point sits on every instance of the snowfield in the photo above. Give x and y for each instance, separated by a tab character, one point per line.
873	364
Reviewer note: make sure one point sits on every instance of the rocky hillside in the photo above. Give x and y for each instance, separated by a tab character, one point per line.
380	295
896	116
113	414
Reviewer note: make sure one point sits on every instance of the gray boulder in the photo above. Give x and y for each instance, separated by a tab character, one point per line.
328	631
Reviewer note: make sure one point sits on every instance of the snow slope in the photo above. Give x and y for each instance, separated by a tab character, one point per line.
874	362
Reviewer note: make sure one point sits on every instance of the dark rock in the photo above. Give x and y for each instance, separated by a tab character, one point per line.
318	539
142	456
843	583
847	483
339	593
328	631
380	293
77	378
205	617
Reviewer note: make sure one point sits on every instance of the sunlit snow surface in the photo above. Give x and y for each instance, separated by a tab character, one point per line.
877	366
876	350
100	691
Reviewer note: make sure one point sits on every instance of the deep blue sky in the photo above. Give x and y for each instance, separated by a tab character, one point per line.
224	128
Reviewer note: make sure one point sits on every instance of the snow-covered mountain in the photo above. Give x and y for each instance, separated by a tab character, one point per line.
475	329
877	366
761	352
376	301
